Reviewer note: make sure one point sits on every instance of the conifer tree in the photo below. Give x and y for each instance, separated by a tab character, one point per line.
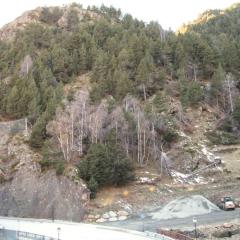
144	73
217	84
236	112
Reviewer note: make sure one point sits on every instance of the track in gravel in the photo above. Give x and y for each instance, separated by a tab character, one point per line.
148	224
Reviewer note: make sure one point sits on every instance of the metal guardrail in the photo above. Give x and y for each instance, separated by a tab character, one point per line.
32	236
6	234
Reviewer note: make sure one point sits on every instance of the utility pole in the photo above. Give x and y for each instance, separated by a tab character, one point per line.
58	230
195	227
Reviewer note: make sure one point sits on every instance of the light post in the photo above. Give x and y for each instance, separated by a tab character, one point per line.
142	216
195	226
58	230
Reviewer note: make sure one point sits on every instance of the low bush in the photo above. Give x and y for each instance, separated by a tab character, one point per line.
220	137
105	164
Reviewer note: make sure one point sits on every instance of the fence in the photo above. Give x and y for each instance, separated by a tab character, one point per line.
19	235
158	236
32	236
174	235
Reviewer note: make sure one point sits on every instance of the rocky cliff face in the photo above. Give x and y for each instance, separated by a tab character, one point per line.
8	31
33	195
26	192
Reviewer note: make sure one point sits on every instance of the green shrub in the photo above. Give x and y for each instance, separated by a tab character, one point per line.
51	159
220	137
107	164
191	93
170	135
160	102
236	112
38	132
226	126
45	164
60	168
96	93
111	104
92	186
50	16
195	93
70	96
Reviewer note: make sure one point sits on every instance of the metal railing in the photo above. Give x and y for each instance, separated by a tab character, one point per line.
6	234
32	236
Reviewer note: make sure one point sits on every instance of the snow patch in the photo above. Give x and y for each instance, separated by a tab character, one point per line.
146	180
210	156
187	178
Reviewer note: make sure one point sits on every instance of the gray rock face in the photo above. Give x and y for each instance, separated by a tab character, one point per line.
43	196
8	31
27	192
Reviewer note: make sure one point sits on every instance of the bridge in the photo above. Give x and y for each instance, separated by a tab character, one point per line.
38	229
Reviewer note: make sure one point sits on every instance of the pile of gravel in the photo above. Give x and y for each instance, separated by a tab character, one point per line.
186	207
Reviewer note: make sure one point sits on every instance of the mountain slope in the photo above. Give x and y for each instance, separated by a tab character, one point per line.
105	94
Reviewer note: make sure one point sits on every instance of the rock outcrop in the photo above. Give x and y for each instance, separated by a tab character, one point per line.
25	191
43	196
8	31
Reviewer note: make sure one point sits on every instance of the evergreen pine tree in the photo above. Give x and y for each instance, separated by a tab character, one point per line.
217	84
236	112
144	71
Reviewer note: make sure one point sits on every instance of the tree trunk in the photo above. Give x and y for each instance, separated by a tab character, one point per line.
195	73
230	94
144	92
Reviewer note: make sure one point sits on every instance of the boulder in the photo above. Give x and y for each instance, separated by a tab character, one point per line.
122	218
105	216
112	214
113	219
122	213
101	220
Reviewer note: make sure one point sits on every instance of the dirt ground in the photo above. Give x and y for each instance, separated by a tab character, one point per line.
137	198
230	155
231	231
146	197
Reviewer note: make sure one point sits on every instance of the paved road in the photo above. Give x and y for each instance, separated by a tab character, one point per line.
149	224
67	230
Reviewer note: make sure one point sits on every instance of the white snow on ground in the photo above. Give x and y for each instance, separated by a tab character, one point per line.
187	179
73	231
146	180
186	207
210	156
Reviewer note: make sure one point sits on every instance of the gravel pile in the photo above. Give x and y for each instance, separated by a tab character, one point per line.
186	207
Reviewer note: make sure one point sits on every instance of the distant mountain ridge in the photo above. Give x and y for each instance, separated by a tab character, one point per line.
9	30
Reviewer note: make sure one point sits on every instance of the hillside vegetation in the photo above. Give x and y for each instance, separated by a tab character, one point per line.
141	81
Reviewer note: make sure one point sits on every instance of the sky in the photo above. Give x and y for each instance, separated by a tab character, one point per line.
169	13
